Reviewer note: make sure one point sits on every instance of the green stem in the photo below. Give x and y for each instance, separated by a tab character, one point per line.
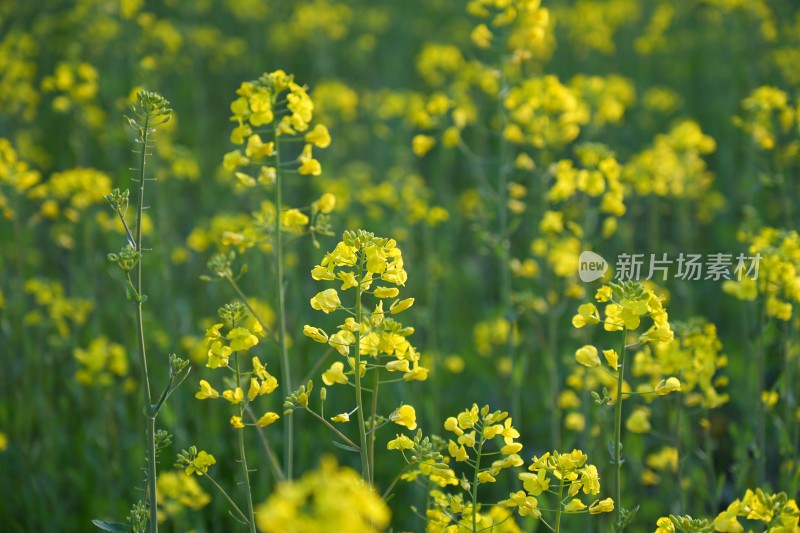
276	468
475	485
243	456
395	480
761	430
711	475
151	473
558	505
372	428
505	252
618	432
150	415
250	308
333	428
680	491
555	379
362	431
286	376
227	497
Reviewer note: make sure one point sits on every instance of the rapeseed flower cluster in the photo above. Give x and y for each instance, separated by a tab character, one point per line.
608	97
776	512
591	25
574	188
75	86
19	94
693	357
777	278
473	429
16	178
543	112
673	167
771	120
570	475
54	307
358	261
255	109
102	364
330	498
178	491
237	334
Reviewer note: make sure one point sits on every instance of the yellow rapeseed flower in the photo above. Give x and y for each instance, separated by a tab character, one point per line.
602	506
335	374
206	391
319	136
422	144
587	356
234	396
326	301
267	419
668	385
326	203
241	339
308	165
405	415
199	465
315	334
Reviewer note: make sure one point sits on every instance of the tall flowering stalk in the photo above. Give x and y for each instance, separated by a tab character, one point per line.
358	261
281	110
228	342
150	111
626	303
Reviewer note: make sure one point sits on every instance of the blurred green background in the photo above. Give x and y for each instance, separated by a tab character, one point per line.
479	266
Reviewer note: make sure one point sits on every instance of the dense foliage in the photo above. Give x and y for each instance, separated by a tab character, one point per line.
314	265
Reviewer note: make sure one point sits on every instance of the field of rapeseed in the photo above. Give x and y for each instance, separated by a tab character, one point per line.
368	265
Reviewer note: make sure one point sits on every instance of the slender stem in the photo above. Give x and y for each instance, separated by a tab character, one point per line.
286	375
150	415
505	251
243	456
618	432
227	497
678	450
318	364
250	308
558	505
276	468
761	430
151	473
555	379
19	247
787	395
711	475
372	433
475	485
362	431
333	428
395	480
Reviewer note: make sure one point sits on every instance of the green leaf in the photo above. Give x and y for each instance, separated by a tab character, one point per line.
344	446
116	527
